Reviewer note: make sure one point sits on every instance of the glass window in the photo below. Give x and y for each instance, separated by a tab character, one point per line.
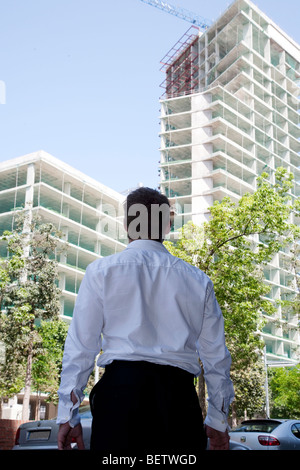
296	430
257	426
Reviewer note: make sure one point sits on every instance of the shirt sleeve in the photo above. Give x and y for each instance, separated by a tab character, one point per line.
83	344
216	362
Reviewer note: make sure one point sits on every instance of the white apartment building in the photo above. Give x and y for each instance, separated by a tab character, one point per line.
230	111
89	214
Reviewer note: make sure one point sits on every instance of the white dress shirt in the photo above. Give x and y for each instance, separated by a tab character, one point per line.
144	304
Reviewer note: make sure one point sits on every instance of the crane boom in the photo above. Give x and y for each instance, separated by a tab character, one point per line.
180	13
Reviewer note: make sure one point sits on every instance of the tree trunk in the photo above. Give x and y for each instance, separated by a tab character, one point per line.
234	416
37	413
27	388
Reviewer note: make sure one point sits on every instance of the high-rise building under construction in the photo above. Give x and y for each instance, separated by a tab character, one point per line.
230	111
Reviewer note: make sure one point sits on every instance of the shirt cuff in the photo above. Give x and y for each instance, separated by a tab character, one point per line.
216	419
75	418
72	417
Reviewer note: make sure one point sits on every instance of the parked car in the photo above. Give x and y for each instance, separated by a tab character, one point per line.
268	434
42	435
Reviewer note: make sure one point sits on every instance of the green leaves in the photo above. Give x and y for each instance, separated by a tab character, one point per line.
284	384
47	364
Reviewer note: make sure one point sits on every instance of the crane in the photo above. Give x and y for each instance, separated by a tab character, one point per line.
180	13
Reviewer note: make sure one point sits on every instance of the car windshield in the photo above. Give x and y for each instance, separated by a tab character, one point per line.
257	426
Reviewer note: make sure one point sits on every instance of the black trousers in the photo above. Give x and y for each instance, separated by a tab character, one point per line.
145	407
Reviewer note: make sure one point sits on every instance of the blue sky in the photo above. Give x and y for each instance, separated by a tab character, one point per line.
82	80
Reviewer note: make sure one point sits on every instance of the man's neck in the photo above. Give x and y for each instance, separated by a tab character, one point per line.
142	239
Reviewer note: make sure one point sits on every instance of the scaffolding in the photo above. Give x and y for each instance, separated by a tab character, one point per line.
181	66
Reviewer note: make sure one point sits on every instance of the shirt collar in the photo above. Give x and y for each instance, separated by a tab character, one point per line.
147	245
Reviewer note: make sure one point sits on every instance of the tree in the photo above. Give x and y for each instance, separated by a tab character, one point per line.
29	294
47	364
284	385
249	391
232	249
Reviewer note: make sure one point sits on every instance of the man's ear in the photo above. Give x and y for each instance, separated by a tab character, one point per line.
168	227
170	222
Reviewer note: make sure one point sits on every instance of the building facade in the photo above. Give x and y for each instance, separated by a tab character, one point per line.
230	111
88	213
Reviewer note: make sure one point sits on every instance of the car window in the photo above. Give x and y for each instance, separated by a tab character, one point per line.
257	426
85	411
296	430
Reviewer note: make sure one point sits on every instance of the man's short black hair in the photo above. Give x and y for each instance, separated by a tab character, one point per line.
147	214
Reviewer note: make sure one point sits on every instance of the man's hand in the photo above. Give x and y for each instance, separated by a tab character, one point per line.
217	440
66	435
